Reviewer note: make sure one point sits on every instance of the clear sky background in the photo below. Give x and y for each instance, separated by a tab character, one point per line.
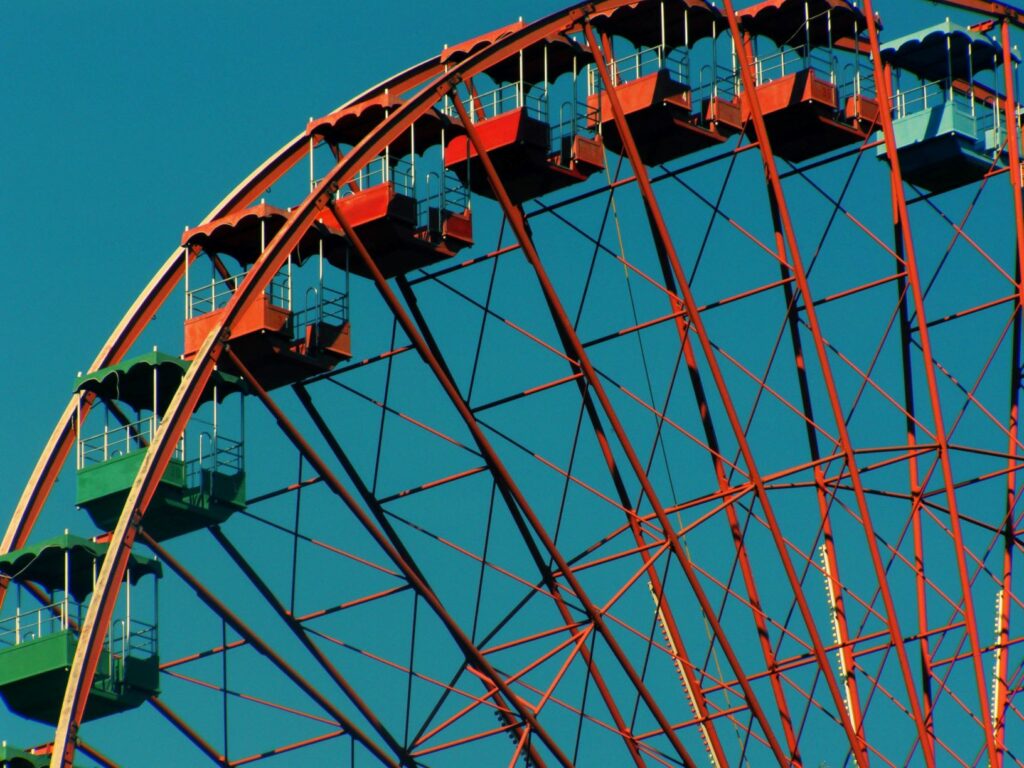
123	122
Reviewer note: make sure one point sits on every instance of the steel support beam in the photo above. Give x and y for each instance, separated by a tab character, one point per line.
156	460
779	202
575	350
404	564
257	642
914	280
321	658
707	348
679	312
523	515
1003	11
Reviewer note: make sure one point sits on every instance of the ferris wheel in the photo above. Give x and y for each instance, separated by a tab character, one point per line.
635	386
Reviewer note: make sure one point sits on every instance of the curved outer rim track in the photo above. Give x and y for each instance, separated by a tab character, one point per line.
300	218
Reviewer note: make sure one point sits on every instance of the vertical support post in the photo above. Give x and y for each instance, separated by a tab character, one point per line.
520	87
263	247
547	84
214	452
188	301
686	31
67	587
522	512
831	50
714	67
77	430
970	73
412	165
312	170
807	38
394	550
156	616
156	389
126	646
949	70
577	118
856	65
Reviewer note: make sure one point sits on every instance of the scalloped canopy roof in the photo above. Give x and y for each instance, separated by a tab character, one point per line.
43	564
925	52
555	55
640	21
350	124
12	757
132	381
783	21
242	235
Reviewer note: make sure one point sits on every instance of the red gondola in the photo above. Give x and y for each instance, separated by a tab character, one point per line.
531	152
670	110
815	95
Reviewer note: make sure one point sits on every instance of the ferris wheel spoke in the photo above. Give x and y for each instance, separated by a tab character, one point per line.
190	733
295	625
391	544
276	659
666	248
930	376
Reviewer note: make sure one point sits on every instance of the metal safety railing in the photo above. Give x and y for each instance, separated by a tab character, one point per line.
919	99
125	638
323	306
26	626
443	193
136	639
504	98
719	82
789	61
121	440
574	118
215	294
214	453
381	170
857	78
936	93
642	62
